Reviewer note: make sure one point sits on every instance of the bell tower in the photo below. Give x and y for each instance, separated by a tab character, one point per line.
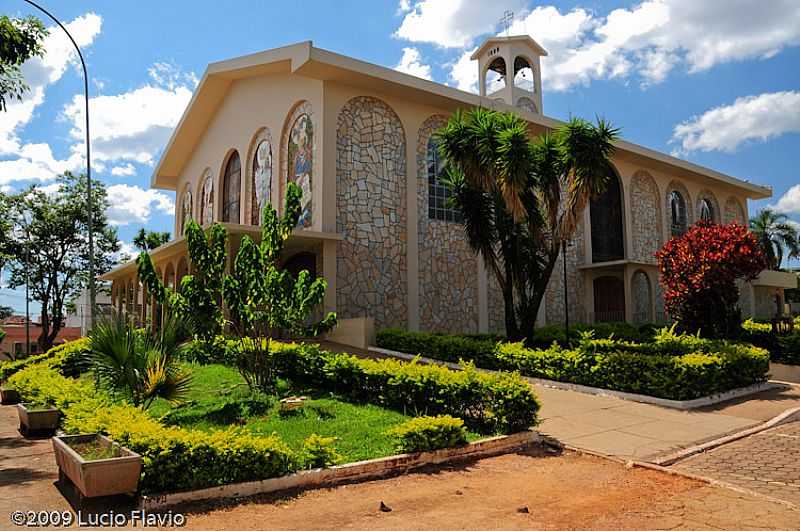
509	70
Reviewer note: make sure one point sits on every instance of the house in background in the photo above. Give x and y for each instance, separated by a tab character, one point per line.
358	140
13	344
78	314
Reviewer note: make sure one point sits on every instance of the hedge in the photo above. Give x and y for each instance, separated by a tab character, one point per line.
782	349
673	366
65	357
500	403
424	434
179	459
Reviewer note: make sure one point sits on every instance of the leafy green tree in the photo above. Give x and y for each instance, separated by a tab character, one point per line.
47	245
776	236
262	299
20	39
140	366
146	240
6	312
521	199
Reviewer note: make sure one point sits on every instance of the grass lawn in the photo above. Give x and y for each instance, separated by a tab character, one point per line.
219	397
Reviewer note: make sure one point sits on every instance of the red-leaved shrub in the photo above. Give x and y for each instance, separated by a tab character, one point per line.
699	271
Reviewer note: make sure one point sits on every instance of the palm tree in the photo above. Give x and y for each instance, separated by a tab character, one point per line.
521	199
776	235
140	364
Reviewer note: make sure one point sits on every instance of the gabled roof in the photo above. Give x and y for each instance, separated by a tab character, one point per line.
306	60
514	38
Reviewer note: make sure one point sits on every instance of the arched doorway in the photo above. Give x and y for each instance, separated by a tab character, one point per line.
609	299
608	239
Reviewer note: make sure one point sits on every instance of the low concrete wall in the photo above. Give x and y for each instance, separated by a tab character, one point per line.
664	402
360	471
785	373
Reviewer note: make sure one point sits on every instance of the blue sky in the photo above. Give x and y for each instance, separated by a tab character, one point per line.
717	83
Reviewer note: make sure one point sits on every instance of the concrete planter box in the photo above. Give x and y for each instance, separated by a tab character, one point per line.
785	373
33	420
101	477
9	396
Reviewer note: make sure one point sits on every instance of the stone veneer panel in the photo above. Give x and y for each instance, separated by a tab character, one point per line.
554	296
448	269
641	293
646	217
733	211
371	213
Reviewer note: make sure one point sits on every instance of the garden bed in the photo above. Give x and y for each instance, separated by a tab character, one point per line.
672	366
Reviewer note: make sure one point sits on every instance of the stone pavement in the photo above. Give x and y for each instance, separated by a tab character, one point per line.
767	462
630	430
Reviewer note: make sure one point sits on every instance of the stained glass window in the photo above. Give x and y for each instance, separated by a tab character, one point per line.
438	194
677	212
605	213
301	163
706	210
186	211
207	201
231	187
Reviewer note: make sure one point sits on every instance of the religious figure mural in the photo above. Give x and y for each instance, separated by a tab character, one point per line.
186	210
207	213
301	143
262	180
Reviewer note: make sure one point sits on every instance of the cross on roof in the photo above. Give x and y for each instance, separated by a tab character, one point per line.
506	19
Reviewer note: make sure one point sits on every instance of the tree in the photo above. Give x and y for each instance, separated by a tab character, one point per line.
775	235
146	240
699	271
262	299
20	39
6	312
48	246
521	199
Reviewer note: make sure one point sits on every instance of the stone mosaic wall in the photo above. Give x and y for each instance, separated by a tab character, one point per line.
448	269
496	306
554	296
646	217
371	213
733	211
641	293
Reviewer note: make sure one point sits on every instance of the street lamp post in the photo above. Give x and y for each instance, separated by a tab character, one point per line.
89	201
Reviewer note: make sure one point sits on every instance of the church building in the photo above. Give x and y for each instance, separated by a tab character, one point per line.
358	140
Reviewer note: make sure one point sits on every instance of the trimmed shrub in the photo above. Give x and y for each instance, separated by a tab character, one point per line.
782	349
66	357
440	346
501	403
319	452
423	434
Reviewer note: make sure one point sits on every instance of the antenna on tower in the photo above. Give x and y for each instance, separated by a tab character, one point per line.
506	19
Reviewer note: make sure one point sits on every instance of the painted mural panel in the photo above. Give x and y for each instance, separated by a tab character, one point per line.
301	153
207	201
262	180
186	210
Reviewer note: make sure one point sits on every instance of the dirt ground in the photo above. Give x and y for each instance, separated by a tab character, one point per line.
533	490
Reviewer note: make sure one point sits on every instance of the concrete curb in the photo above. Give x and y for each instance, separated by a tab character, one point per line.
682	405
787	416
351	472
711	481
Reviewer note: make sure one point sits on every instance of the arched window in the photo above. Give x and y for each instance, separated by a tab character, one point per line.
495	76
605	212
186	211
207	200
523	75
231	189
438	194
677	213
706	210
301	163
262	180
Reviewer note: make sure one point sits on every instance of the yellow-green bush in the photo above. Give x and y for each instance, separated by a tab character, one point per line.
65	357
422	434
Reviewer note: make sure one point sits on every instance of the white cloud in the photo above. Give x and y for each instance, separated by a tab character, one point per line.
749	118
135	125
39	72
37	163
646	41
131	204
123	171
789	203
451	23
411	63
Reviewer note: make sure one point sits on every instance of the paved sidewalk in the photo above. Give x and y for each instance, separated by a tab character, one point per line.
630	430
767	462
